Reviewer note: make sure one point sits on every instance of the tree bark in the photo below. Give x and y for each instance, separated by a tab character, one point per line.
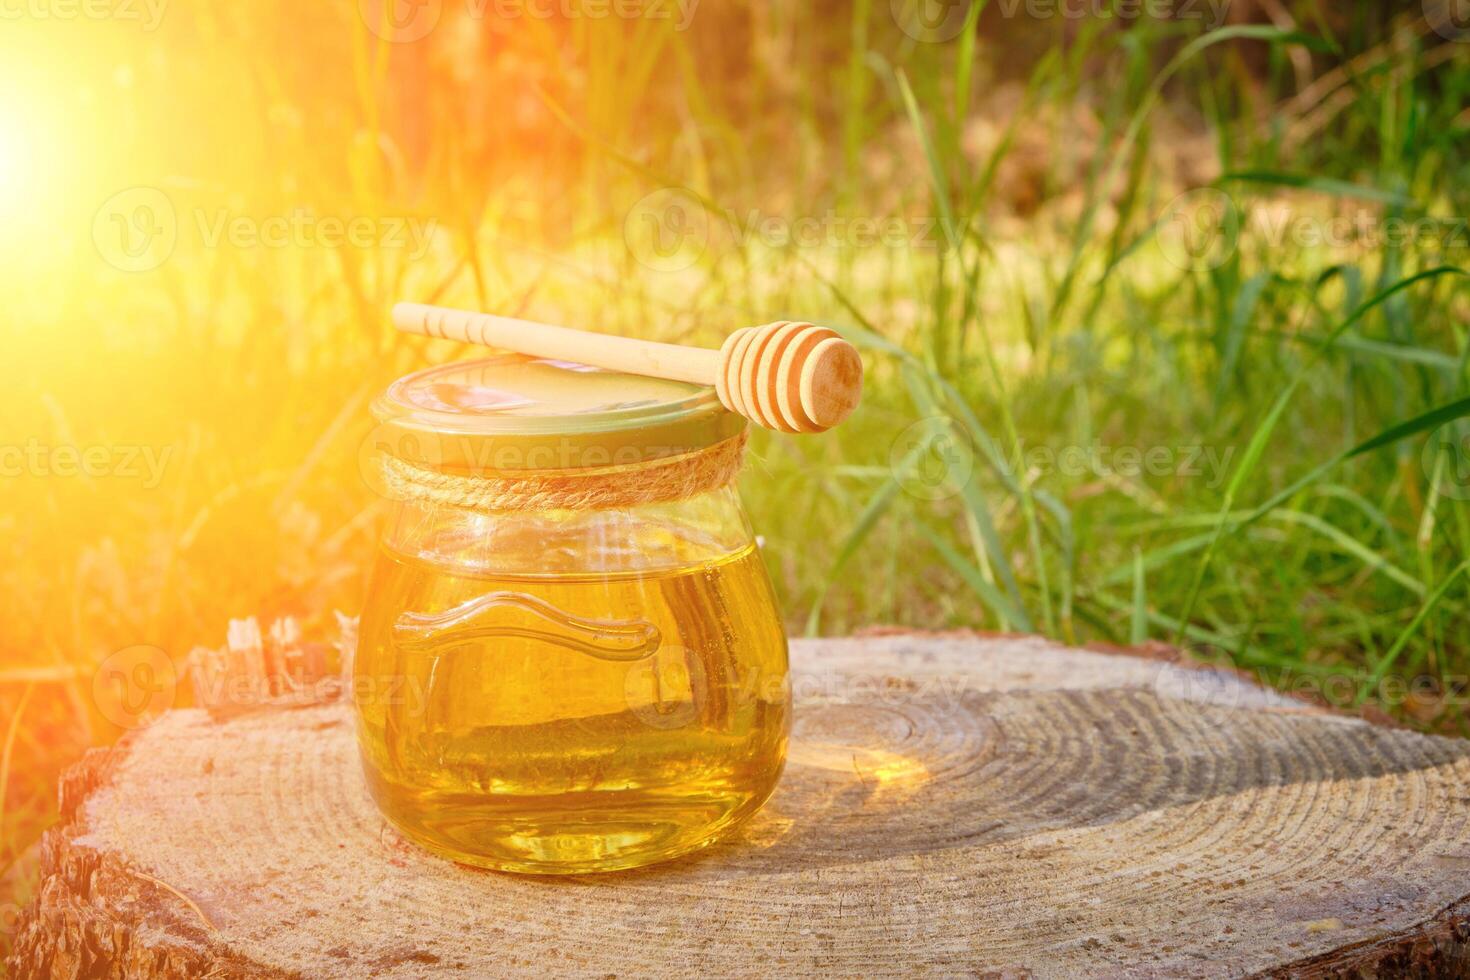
953	804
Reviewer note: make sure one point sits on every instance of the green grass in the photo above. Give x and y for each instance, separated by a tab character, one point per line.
1320	371
1288	509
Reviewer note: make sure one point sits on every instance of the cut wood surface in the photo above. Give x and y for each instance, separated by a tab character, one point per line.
952	805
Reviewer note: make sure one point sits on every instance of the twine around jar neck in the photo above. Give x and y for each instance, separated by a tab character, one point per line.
658	481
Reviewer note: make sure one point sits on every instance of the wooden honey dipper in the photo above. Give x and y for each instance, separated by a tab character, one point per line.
791	377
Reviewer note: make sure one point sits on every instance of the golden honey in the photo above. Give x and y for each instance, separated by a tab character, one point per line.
570	658
570	721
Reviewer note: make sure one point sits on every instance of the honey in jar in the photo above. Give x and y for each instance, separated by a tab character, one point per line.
570	657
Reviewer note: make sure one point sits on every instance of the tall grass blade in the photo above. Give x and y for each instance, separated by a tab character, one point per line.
1380	669
868	519
1138	625
1241	312
5	756
1262	435
1322	185
999	605
1427	422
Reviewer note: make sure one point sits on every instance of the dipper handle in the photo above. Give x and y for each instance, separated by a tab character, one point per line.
692	364
791	377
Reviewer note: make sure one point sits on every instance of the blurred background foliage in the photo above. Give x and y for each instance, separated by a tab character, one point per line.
1162	303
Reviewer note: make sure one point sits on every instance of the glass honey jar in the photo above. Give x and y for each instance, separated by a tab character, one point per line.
570	657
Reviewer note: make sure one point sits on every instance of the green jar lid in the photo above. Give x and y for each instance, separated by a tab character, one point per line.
516	413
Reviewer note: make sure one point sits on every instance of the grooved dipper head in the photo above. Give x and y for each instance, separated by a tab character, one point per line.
791	377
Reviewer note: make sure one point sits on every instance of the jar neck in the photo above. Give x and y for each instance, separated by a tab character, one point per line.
665	479
698	529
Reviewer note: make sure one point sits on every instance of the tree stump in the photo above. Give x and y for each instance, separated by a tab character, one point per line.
953	804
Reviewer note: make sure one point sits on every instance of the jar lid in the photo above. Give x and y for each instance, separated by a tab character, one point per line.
516	413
